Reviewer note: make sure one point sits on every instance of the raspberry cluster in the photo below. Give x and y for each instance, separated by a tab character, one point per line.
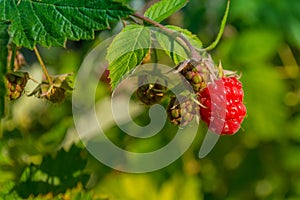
218	99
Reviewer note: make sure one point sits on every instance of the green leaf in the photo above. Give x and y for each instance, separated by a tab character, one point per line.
4	38
67	167
6	191
164	8
177	51
64	164
193	39
222	28
127	50
51	22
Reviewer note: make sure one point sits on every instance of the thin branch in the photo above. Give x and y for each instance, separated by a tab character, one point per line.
12	57
208	62
172	33
42	65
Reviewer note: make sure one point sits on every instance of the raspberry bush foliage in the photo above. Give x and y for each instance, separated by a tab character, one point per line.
32	24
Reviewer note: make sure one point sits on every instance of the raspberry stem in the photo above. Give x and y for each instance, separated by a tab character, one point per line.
12	58
42	65
179	37
209	64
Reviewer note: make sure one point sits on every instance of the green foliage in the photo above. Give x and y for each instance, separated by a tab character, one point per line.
127	50
177	51
6	192
4	38
54	174
132	187
247	48
62	165
76	193
262	91
51	22
262	161
164	8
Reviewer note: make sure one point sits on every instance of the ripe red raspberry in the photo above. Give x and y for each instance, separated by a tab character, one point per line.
226	94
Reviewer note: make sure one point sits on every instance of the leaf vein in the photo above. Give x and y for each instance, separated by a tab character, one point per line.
41	24
67	19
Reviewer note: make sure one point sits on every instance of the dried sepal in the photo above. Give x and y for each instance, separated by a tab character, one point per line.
55	92
150	93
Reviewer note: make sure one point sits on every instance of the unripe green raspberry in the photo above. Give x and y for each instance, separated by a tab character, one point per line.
182	113
189	71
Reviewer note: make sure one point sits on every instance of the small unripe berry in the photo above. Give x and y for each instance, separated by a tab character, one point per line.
181	113
189	70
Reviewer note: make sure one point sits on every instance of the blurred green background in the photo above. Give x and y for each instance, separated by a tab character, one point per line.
261	41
